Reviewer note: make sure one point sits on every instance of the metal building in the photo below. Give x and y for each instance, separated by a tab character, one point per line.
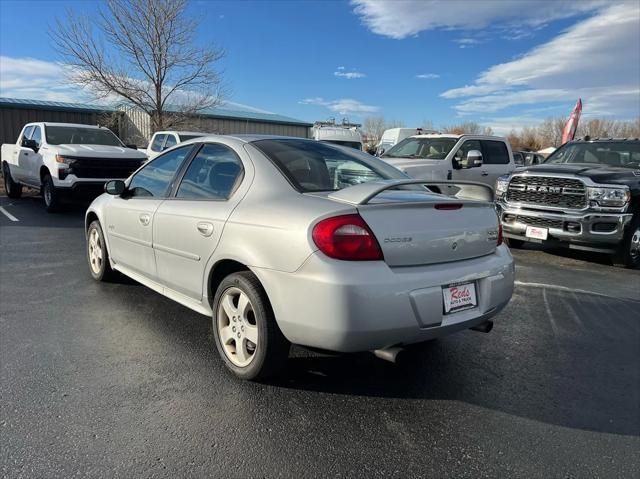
15	113
133	126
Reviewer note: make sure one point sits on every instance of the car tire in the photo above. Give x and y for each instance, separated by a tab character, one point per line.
245	330
13	189
97	254
50	194
514	243
628	254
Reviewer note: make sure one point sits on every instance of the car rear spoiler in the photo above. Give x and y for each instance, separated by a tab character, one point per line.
362	193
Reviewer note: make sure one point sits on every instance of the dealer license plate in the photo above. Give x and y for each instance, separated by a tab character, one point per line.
458	297
537	233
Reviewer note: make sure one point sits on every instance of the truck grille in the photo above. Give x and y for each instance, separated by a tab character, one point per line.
103	167
539	222
547	191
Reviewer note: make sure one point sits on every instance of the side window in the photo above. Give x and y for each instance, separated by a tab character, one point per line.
214	174
37	136
171	141
157	142
155	178
466	147
26	134
495	153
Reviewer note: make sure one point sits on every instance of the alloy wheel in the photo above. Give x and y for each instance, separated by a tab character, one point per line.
95	251
634	248
237	328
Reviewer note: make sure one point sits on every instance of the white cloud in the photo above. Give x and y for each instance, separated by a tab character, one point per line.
401	19
349	75
30	78
343	106
428	76
596	59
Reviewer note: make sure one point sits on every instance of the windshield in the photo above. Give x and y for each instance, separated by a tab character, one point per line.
427	148
316	166
189	137
73	135
351	144
611	153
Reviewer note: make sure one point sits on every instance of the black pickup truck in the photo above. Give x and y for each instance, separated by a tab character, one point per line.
586	195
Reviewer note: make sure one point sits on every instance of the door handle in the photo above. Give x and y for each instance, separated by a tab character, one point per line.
484	173
144	219
205	229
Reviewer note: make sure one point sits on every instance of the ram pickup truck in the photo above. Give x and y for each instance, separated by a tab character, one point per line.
65	159
478	158
586	195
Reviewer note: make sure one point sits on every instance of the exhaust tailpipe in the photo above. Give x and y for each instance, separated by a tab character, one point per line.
388	354
485	327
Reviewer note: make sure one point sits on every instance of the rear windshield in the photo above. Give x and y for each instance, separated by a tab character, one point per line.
72	135
425	148
610	153
316	166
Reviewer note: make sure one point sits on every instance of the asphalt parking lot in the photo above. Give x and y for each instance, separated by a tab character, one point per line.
114	380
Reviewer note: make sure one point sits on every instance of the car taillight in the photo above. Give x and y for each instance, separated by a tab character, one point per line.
346	237
499	233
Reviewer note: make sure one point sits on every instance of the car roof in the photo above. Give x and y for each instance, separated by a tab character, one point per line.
248	138
458	136
70	125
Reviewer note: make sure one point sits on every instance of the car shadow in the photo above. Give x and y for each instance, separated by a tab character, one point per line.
574	254
556	357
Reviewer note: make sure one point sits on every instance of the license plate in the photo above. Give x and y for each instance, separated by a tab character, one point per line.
458	297
538	233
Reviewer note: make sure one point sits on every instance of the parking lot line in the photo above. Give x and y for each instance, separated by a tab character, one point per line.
8	215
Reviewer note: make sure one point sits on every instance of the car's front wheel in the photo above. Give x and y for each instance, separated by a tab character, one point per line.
13	189
97	254
245	330
628	254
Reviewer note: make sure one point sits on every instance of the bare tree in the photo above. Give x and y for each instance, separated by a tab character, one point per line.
151	62
550	131
373	128
468	127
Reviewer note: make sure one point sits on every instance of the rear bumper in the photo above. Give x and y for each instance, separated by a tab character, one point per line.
358	306
600	230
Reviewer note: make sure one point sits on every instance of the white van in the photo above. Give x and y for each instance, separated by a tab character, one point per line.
478	158
345	135
393	136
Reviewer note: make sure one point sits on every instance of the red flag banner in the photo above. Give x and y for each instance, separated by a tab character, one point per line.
570	128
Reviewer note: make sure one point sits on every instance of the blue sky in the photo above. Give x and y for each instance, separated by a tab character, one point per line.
503	64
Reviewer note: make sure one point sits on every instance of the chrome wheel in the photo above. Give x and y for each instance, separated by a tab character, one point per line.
95	251
634	248
237	328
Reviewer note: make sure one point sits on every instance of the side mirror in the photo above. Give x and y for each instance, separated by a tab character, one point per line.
133	147
380	152
474	159
114	187
27	143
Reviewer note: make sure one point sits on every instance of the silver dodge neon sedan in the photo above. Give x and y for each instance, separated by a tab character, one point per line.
288	240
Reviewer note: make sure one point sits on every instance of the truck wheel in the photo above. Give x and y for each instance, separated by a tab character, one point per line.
245	330
628	255
97	254
50	194
514	243
13	189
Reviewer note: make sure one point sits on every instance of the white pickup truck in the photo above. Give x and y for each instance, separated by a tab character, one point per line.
163	140
478	158
64	159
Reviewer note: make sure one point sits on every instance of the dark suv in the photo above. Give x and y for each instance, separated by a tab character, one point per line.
586	195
